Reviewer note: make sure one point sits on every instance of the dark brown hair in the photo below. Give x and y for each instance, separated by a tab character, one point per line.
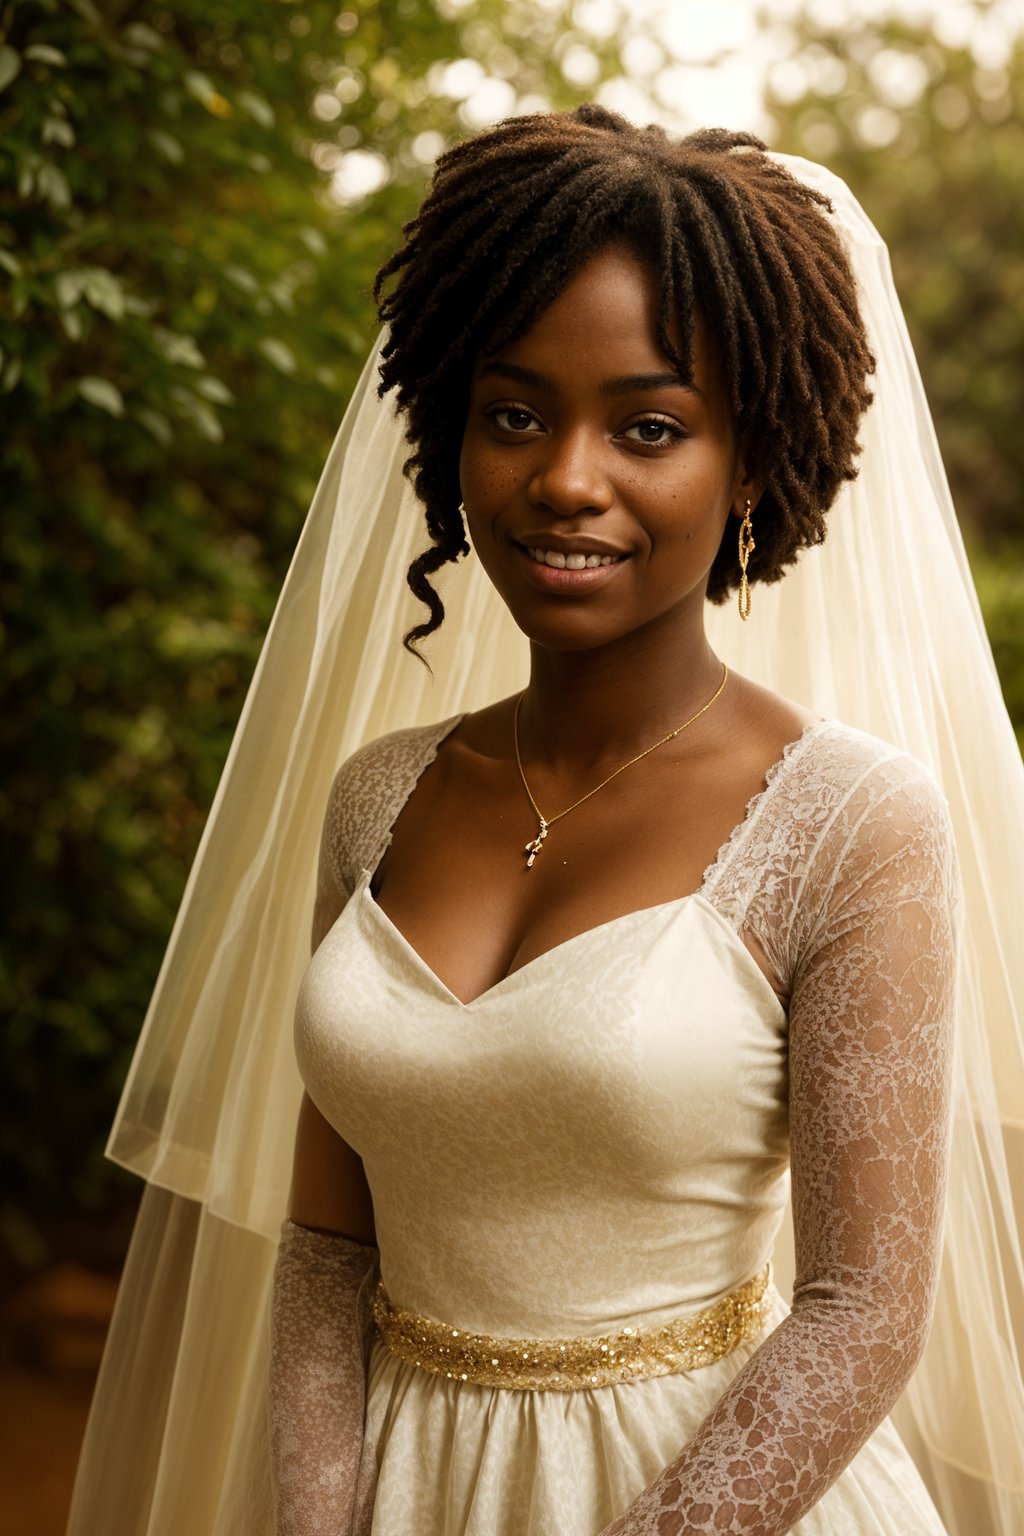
513	214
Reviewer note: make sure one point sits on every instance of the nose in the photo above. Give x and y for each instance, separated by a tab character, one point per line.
570	479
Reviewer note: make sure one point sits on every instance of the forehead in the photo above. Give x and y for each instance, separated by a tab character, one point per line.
613	292
605	322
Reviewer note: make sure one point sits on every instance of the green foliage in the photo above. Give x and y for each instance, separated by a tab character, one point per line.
932	142
999	578
183	307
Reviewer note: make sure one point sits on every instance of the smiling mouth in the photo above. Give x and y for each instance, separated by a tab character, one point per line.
574	562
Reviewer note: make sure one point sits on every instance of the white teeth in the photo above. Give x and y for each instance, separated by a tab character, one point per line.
577	562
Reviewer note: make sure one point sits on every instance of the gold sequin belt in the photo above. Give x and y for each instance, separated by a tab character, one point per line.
562	1365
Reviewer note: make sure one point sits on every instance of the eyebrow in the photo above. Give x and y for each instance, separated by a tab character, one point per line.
629	383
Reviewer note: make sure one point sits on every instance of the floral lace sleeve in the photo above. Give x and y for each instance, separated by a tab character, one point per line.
368	792
320	1329
860	927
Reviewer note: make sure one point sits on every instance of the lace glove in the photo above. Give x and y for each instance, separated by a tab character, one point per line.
320	1327
871	1017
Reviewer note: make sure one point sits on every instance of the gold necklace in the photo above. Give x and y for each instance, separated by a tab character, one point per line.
546	822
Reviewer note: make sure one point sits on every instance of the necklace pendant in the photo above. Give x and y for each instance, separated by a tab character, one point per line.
535	847
532	849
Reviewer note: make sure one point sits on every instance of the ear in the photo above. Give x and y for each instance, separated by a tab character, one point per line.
749	488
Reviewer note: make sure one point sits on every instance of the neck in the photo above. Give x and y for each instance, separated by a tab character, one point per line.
584	708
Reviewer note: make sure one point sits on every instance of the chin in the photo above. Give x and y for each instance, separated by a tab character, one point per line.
569	632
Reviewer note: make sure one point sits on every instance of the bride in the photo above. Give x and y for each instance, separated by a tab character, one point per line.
597	964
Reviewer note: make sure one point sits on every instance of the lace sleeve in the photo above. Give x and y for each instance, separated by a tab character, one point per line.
323	1281
871	1015
334	883
320	1330
368	792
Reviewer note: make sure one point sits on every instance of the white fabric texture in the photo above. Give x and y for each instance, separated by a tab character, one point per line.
879	627
602	1140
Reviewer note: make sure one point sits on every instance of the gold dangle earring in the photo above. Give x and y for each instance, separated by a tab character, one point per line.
746	545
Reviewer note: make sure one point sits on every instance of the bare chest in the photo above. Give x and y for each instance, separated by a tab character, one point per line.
458	882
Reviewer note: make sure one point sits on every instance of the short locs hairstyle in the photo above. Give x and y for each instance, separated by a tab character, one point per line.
511	217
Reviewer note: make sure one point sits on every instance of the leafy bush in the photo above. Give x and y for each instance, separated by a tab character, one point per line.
183	308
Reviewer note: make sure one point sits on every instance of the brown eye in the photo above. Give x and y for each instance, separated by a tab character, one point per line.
518	421
514	418
653	432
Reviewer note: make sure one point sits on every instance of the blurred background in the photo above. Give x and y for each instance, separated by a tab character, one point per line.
194	198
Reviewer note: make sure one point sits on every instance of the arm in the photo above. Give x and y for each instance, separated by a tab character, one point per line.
870	1050
320	1311
320	1319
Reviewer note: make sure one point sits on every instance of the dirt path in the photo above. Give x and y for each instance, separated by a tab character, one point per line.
51	1340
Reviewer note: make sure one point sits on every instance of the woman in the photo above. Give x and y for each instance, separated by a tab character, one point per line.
633	400
557	1033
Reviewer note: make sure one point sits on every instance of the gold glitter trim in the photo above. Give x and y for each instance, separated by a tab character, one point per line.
562	1365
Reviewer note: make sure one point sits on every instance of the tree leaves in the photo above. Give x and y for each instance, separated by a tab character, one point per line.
183	307
166	145
96	286
101	393
947	194
10	66
42	53
278	353
257	107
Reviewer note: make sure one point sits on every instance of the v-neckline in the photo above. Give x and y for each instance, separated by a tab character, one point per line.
753	809
638	913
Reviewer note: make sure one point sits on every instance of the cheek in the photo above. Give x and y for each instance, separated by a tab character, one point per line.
490	548
690	509
483	520
480	479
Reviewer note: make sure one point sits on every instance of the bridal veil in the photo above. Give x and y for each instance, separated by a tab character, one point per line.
879	627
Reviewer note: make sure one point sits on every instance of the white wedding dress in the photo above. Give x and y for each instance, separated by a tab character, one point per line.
881	626
602	1139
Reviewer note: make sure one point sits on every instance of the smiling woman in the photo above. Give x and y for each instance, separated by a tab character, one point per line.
549	1124
602	424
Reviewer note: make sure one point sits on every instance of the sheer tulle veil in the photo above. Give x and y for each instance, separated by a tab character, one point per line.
879	626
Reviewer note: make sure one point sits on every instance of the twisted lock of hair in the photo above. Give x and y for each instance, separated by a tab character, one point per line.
514	213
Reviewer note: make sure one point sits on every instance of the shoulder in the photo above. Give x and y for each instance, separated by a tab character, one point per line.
861	777
390	758
849	827
834	785
876	815
368	792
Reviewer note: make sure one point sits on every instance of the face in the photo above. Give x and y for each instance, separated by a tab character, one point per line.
597	485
